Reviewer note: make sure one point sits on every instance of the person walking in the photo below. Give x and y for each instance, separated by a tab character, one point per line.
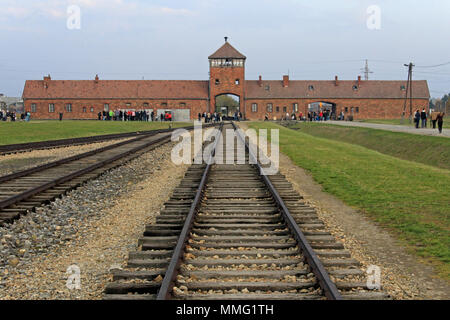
60	116
423	116
417	119
440	121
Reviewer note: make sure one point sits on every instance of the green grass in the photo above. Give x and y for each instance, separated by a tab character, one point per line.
433	151
405	122
22	132
409	198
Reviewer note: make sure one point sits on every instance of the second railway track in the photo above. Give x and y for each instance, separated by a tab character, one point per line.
24	190
229	233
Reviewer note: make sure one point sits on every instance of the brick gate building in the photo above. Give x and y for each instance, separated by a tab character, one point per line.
84	99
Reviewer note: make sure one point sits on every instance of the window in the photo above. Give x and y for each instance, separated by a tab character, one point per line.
217	82
68	107
128	105
163	105
182	105
92	109
277	109
33	107
310	87
267	87
355	87
284	109
357	109
295	107
254	107
84	109
236	82
106	107
51	107
269	107
403	88
146	105
351	110
346	109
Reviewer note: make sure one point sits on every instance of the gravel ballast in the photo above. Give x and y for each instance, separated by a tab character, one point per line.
93	227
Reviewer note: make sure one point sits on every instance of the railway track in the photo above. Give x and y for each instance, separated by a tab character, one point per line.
25	190
53	144
228	233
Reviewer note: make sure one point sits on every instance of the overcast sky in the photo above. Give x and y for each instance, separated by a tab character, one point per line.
132	39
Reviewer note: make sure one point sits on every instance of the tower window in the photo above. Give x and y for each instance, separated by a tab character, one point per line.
217	81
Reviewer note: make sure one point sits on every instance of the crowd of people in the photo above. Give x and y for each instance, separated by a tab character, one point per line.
421	118
131	115
217	117
5	115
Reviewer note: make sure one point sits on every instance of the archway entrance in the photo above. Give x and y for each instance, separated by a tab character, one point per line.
227	105
326	107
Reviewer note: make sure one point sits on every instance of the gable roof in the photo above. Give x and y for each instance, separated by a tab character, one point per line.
227	51
328	90
116	89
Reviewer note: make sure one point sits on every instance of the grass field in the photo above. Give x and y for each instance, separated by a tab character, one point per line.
21	132
405	122
409	198
434	151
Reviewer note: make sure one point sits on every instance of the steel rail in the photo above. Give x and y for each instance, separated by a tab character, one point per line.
31	192
46	166
167	284
329	288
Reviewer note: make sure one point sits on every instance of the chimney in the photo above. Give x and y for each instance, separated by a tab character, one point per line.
359	81
96	78
47	79
336	81
260	81
285	81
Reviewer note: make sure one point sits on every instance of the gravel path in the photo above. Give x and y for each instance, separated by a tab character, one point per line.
93	227
392	127
21	161
403	275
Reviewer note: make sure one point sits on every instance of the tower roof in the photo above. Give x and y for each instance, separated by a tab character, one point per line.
227	51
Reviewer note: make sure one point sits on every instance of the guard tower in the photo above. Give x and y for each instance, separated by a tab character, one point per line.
227	74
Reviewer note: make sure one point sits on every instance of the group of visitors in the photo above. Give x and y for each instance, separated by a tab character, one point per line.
320	115
421	119
24	116
210	118
132	115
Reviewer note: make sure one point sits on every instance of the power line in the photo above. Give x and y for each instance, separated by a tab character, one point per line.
366	71
435	66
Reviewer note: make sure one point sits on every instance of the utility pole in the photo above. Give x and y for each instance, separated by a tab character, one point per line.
410	90
366	71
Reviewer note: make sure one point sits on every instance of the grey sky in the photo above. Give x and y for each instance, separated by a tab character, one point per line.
131	39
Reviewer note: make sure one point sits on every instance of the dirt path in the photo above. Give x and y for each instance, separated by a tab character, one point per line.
393	127
403	276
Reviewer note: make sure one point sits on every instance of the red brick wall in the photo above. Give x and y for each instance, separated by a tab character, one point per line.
368	108
227	77
42	107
